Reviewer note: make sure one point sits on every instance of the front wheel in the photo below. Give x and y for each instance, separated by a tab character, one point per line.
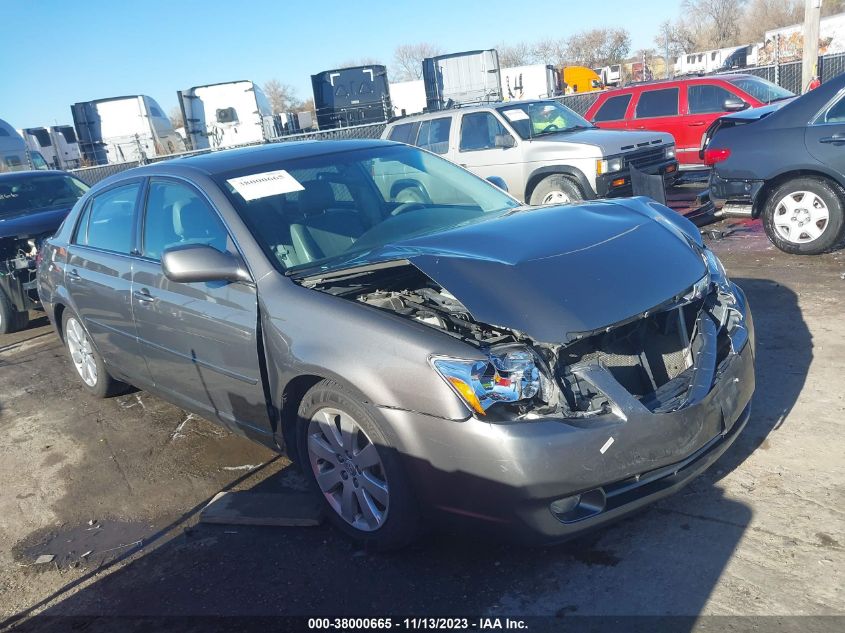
556	189
804	216
348	459
86	360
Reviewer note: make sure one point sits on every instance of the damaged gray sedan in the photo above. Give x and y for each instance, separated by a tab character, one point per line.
425	347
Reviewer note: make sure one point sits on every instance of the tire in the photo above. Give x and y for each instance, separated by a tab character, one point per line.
804	216
360	468
86	361
556	189
10	319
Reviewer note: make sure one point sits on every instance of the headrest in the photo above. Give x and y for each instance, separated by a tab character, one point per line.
317	197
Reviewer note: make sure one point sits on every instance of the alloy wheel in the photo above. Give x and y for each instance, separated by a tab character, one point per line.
800	217
81	351
556	197
348	469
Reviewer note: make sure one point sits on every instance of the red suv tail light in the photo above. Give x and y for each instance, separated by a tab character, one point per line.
715	155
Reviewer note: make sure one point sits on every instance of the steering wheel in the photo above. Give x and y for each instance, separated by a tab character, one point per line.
551	127
408	206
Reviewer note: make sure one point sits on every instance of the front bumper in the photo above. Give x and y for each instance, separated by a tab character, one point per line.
735	193
507	476
618	184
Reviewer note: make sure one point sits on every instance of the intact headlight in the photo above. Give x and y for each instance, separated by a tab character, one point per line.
511	373
609	165
670	151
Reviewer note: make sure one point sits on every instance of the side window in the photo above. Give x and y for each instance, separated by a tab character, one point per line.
405	133
80	235
704	98
227	115
613	109
107	222
479	131
654	103
434	135
836	113
176	214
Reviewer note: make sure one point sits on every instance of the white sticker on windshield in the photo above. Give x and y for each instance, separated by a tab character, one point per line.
516	114
268	183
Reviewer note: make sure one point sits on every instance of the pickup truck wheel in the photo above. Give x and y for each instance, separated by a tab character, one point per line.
349	461
556	189
804	216
86	360
10	319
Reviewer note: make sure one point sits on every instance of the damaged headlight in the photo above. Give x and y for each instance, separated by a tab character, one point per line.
510	374
716	271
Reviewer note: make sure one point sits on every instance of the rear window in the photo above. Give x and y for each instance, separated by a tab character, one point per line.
654	103
705	98
107	223
613	109
761	89
434	135
405	133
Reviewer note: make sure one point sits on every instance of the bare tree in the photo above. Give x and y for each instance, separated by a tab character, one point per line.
717	22
599	47
360	61
675	36
831	7
175	117
407	60
765	15
549	51
511	55
282	97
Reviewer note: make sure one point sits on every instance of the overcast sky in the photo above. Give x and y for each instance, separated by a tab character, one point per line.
57	52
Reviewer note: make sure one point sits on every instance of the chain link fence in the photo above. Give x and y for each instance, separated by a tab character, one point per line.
580	102
93	175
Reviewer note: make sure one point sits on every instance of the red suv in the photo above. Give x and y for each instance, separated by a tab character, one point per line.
684	108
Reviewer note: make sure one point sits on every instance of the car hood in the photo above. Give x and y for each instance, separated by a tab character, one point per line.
609	142
553	273
32	223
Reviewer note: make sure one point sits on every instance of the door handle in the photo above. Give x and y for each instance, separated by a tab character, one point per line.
143	296
73	275
836	139
696	124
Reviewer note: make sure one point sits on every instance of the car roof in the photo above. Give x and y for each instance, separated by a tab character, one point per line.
680	80
211	163
32	173
492	105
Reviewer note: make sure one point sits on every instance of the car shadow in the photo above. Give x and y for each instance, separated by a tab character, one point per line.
666	560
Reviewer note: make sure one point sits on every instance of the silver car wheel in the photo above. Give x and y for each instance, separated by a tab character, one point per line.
556	197
81	351
800	217
348	469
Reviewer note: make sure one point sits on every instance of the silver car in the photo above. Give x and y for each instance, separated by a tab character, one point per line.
541	151
535	371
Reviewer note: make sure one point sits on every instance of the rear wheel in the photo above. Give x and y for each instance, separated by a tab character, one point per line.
804	216
556	189
348	459
86	360
10	319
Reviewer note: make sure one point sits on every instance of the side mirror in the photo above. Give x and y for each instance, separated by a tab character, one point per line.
198	262
504	141
498	181
734	104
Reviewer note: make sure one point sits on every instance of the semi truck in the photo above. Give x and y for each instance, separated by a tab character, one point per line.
57	144
122	129
14	154
461	78
225	115
408	97
537	81
351	96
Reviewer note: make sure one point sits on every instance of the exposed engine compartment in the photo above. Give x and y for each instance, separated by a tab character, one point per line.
18	260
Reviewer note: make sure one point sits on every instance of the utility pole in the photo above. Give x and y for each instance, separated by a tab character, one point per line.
812	15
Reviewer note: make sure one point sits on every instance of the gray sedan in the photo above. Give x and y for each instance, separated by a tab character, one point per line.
425	347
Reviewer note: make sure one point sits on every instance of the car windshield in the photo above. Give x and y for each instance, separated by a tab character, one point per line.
29	193
538	118
335	210
762	90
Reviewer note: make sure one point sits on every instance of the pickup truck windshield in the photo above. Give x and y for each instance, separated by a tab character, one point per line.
760	89
29	193
538	118
335	210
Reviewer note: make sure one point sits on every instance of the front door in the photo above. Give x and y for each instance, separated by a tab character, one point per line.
200	339
479	151
98	276
656	110
705	103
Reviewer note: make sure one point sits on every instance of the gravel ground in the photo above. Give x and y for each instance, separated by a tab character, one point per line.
112	488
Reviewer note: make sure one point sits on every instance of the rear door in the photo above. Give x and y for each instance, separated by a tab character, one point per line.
825	137
477	150
200	340
704	104
657	110
98	276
